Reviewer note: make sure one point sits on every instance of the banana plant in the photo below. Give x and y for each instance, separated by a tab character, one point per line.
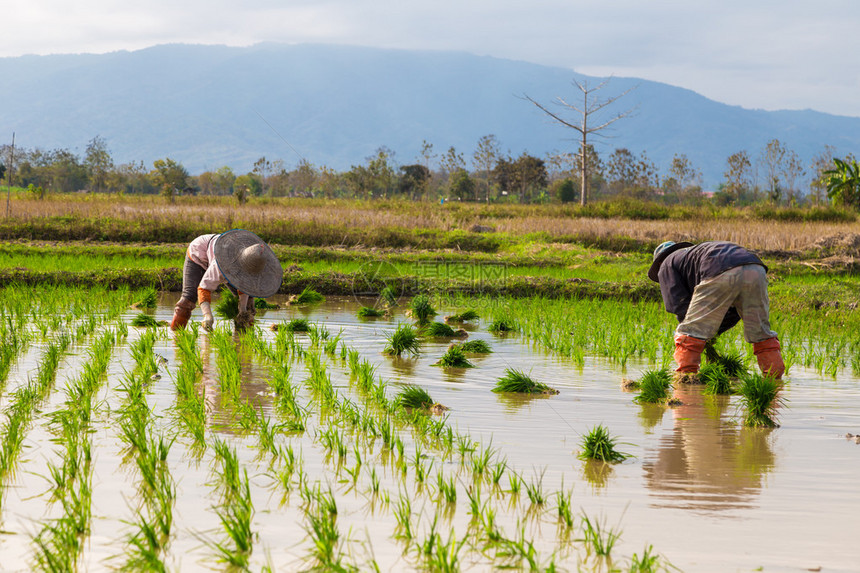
843	182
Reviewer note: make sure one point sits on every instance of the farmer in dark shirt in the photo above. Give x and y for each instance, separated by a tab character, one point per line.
710	287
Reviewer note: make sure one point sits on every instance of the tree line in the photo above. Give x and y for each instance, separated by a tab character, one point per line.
774	174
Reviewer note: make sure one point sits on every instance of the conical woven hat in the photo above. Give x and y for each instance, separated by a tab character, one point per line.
248	263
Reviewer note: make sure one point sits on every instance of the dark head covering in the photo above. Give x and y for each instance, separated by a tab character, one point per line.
662	251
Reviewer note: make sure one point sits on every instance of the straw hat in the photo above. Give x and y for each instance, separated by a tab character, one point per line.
248	263
662	251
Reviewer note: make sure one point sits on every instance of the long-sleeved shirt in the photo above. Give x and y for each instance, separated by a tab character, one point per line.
202	251
684	269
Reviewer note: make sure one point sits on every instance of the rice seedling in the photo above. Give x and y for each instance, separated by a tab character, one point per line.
403	515
370	312
535	492
143	320
520	382
413	397
515	551
403	339
421	309
654	387
389	296
307	296
447	488
475	347
648	562
464	316
598	444
716	380
236	515
564	507
442	330
731	363
502	326
598	537
454	357
760	400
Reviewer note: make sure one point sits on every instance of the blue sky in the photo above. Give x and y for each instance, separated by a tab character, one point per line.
756	54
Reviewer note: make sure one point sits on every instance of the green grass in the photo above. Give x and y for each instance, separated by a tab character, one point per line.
520	382
597	444
654	387
760	400
454	358
475	347
403	339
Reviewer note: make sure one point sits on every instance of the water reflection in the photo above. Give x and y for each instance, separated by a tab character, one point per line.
706	462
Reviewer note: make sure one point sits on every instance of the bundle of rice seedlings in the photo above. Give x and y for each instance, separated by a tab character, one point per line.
146	321
148	300
307	296
760	400
597	444
227	306
454	358
733	364
715	378
369	312
501	325
389	296
654	387
403	339
421	309
520	382
413	396
262	304
442	330
475	347
464	316
297	325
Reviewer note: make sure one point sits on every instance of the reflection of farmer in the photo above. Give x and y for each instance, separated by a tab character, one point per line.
710	287
705	464
238	258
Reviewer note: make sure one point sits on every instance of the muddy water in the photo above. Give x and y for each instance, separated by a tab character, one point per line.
708	494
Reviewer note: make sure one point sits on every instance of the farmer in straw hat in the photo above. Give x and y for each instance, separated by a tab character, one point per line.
238	258
710	287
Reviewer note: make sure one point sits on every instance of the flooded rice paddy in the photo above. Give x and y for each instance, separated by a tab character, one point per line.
699	490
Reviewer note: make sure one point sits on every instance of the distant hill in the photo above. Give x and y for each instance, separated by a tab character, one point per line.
209	106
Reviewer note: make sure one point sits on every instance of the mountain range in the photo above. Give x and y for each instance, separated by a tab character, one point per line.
210	106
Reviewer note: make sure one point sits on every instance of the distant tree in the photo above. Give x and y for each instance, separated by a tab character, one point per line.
461	185
2	171
821	163
621	169
248	184
771	161
427	154
524	176
167	173
591	106
413	180
737	176
98	162
381	171
262	169
792	170
843	182
565	190
452	161
358	182
303	178
684	181
484	159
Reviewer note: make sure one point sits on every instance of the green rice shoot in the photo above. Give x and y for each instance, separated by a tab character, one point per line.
654	387
760	400
440	330
227	306
475	347
298	325
521	383
454	357
263	304
732	363
403	339
149	299
389	296
597	444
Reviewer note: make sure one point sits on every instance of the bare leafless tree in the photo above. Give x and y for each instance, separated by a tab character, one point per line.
590	106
